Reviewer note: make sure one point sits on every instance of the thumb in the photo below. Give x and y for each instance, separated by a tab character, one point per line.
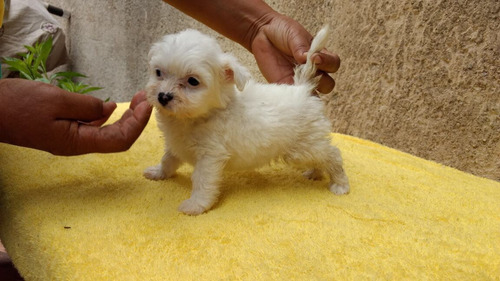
107	110
299	51
299	44
71	106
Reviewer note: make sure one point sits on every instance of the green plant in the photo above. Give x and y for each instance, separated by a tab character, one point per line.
32	66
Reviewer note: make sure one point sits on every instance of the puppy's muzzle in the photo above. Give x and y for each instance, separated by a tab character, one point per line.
165	98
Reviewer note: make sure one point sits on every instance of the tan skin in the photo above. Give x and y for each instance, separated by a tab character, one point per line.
44	117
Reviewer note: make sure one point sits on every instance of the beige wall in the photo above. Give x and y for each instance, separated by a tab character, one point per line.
422	76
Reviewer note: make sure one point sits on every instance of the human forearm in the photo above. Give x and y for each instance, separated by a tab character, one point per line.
239	20
277	42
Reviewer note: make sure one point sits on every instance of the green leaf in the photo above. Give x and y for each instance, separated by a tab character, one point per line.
52	77
15	64
79	87
22	55
31	49
28	59
89	89
42	56
19	66
66	85
69	74
43	79
32	66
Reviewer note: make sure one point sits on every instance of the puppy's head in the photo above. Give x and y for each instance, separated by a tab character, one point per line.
190	75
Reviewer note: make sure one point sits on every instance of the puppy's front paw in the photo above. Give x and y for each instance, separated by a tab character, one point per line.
191	207
339	189
155	173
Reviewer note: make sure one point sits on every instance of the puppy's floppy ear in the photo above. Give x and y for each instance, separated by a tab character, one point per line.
235	72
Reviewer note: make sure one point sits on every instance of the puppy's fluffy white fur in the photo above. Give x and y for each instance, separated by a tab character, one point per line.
214	117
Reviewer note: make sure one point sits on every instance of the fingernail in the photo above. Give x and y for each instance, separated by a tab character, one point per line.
110	103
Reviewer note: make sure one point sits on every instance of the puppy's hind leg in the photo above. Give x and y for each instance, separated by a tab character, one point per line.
206	177
166	169
339	184
322	156
313	174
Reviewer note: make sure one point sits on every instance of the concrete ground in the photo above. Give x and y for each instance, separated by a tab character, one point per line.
421	76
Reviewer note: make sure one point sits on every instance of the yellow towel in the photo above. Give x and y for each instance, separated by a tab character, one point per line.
95	217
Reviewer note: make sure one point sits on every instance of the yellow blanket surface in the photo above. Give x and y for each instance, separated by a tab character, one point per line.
95	217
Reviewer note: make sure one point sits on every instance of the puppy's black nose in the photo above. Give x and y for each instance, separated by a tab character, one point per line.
164	98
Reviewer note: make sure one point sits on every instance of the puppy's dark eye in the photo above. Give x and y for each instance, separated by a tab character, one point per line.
193	81
158	73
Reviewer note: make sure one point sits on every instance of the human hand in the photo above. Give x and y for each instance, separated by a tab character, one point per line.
282	43
45	117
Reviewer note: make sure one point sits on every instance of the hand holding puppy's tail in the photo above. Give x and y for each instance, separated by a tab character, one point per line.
306	73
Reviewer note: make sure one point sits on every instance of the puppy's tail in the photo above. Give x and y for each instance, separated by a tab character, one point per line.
306	73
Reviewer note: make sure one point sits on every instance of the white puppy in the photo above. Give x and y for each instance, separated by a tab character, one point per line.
215	118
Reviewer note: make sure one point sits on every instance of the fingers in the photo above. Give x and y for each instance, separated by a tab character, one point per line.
326	84
107	110
300	48
138	98
326	61
59	104
136	117
109	107
122	134
79	107
143	109
118	136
